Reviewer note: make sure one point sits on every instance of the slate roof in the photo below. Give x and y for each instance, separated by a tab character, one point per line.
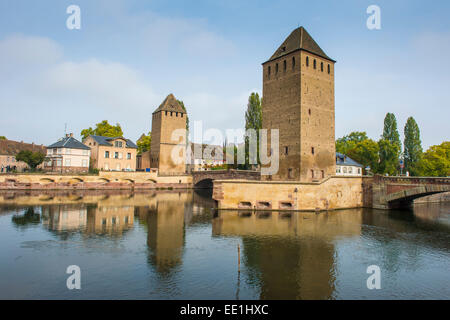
299	39
343	160
170	103
70	143
11	148
105	141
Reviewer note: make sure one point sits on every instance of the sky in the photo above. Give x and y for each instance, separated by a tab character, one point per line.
129	55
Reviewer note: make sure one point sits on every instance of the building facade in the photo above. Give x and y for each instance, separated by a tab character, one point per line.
8	151
168	123
67	155
346	166
112	154
298	100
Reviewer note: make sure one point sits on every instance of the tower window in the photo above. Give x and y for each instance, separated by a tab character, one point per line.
323	174
268	71
286	150
166	113
312	173
284	65
290	175
312	150
328	69
321	66
314	63
309	111
307	61
276	68
293	63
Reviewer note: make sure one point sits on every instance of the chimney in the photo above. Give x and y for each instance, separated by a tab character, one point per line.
71	135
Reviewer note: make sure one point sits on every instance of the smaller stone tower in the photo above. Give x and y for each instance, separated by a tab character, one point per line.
167	118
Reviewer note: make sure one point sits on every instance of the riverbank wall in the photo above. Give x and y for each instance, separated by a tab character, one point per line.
329	194
102	181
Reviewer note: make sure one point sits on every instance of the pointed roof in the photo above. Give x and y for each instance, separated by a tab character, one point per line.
299	39
170	104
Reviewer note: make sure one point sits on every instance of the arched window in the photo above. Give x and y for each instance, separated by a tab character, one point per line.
321	66
328	68
307	61
314	63
293	63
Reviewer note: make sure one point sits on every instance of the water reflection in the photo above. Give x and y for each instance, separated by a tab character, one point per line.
291	255
190	248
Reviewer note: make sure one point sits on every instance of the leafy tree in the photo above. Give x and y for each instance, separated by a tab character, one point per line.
253	120
390	131
144	143
103	129
2	138
187	118
32	159
413	146
389	153
366	152
349	142
436	161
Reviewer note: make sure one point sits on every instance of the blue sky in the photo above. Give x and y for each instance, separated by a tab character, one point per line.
129	55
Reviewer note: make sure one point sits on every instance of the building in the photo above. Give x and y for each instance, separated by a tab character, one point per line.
112	153
8	151
298	99
67	155
346	166
201	160
168	123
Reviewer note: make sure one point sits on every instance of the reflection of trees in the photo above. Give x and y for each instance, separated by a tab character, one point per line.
26	219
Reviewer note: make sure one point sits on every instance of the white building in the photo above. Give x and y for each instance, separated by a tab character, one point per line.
346	166
68	155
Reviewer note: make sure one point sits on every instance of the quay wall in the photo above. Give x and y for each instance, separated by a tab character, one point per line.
329	194
102	181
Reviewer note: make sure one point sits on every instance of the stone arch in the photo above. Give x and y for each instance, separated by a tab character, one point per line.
46	180
206	183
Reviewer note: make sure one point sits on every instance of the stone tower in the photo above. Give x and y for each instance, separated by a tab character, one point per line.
298	99
169	117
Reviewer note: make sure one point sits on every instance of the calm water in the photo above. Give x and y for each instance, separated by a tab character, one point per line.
175	246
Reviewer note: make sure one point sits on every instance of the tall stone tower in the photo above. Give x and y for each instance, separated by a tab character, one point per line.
169	117
298	99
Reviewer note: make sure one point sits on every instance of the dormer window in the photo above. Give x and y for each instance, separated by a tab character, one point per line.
283	49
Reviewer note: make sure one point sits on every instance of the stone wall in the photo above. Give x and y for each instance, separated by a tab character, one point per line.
331	193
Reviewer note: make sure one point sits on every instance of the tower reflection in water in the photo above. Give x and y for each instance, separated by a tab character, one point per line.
290	255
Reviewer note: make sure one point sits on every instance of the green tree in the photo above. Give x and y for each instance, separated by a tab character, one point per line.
187	118
349	142
103	129
2	138
413	147
32	159
389	153
253	120
390	131
435	161
366	152
144	143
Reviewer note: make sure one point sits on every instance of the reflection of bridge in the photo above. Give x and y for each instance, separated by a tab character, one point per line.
204	179
394	192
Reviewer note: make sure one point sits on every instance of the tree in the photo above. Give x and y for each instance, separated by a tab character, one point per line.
144	143
187	118
389	153
32	159
253	120
2	138
435	161
103	129
349	142
390	132
366	152
413	146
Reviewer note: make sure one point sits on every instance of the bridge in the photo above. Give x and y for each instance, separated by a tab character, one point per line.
204	179
382	192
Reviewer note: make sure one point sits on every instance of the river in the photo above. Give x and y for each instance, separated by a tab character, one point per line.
175	245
